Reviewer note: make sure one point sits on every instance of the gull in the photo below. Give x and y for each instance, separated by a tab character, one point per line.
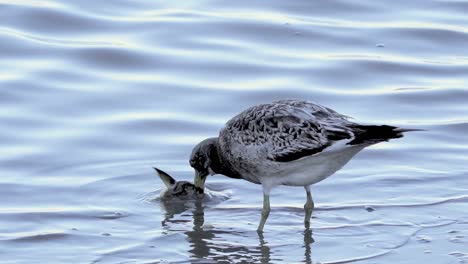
287	142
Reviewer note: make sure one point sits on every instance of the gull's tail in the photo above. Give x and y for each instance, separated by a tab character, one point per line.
364	134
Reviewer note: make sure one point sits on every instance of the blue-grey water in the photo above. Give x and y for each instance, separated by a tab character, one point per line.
95	93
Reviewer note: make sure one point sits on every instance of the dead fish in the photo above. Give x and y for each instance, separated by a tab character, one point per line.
181	189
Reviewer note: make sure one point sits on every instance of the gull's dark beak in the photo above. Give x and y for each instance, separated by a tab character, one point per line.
200	178
166	179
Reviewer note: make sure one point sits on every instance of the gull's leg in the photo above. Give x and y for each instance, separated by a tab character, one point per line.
266	208
308	207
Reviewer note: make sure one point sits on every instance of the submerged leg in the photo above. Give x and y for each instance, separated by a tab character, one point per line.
308	207
266	208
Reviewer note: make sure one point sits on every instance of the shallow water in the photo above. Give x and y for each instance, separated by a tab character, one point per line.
93	94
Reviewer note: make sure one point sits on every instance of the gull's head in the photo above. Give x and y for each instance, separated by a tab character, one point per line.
204	156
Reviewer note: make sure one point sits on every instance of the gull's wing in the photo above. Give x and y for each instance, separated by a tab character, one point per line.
289	130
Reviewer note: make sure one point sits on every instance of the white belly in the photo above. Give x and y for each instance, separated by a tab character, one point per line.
313	169
305	171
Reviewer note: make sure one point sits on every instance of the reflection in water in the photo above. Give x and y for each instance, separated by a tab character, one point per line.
308	240
214	245
264	248
198	239
171	209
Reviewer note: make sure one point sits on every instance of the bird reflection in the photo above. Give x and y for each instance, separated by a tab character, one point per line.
171	211
204	244
308	240
264	249
197	237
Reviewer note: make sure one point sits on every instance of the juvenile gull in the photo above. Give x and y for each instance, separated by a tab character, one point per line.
180	189
288	142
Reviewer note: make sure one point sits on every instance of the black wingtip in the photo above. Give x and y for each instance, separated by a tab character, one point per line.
166	178
160	171
409	129
372	134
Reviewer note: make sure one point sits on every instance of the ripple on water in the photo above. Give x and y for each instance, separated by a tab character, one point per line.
37	237
51	20
96	93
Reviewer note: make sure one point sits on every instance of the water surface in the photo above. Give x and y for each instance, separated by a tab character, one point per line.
93	94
